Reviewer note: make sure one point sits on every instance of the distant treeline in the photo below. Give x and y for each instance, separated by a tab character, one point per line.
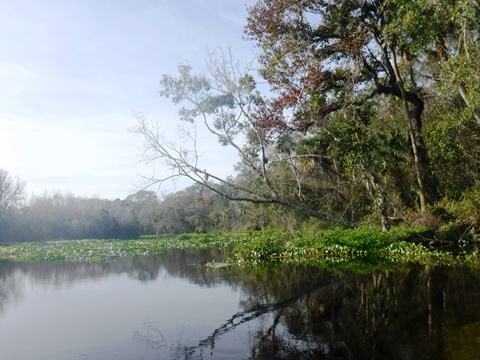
66	216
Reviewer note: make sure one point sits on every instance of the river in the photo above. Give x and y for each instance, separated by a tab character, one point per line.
170	307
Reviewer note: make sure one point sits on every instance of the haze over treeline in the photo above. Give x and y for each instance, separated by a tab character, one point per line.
54	216
372	117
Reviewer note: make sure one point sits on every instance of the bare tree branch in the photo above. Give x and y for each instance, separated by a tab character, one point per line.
225	102
11	190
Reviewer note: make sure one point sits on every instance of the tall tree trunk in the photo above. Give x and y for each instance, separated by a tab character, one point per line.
414	126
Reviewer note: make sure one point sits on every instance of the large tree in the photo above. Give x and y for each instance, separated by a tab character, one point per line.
325	56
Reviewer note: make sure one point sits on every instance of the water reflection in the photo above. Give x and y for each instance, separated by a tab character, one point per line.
177	263
276	312
414	313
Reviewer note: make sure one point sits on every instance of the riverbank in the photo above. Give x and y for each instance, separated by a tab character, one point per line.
349	249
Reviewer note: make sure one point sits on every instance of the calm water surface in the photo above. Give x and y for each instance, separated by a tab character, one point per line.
169	307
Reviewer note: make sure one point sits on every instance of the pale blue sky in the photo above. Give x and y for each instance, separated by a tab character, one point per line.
73	73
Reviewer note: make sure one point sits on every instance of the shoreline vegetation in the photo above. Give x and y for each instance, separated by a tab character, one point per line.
362	249
374	122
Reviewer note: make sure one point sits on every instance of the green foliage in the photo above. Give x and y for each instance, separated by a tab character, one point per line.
361	249
76	250
108	250
452	232
182	87
441	138
367	72
468	207
262	245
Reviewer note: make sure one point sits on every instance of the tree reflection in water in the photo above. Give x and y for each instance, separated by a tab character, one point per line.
302	312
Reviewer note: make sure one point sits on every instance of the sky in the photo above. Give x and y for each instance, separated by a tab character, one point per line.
73	74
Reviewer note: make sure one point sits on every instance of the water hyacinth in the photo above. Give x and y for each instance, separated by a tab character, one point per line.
361	249
106	250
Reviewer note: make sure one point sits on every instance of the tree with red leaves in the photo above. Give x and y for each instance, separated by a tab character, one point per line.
322	56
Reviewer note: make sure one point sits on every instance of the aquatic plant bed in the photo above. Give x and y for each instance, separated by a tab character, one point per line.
361	250
358	249
106	250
